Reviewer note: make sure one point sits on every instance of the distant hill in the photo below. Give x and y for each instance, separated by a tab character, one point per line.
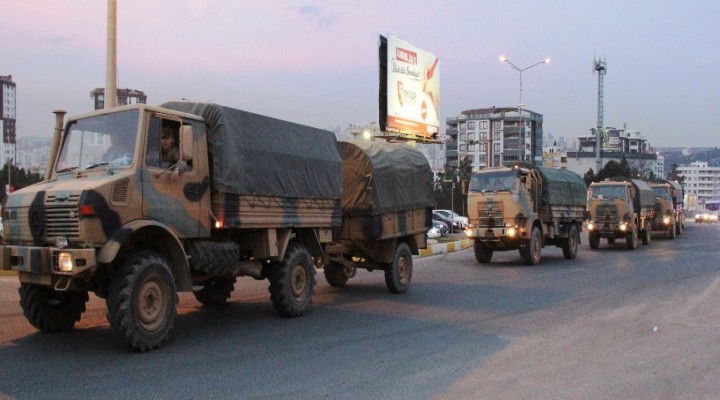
684	156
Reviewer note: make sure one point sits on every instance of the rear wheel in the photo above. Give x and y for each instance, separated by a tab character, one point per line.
215	292
142	300
483	254
398	274
292	282
594	240
49	310
532	249
571	243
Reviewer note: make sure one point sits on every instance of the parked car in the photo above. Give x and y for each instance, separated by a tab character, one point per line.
458	221
433	233
443	220
440	226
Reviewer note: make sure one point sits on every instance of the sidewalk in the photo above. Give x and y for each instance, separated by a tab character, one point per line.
457	241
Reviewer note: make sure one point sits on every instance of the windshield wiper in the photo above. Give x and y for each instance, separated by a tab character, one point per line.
68	169
91	166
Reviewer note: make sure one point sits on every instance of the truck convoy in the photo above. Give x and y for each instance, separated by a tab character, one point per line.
620	209
525	209
669	216
249	196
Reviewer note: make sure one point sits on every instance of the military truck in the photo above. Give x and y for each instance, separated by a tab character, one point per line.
525	209
620	209
669	217
249	196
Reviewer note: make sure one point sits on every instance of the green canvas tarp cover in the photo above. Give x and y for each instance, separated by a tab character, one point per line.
380	178
563	187
646	194
253	154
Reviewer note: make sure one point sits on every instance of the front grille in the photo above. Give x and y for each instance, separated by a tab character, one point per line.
607	212
62	217
490	214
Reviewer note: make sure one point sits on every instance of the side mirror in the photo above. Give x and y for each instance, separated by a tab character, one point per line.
186	142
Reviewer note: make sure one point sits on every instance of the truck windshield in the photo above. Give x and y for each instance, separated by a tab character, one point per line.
608	192
504	181
107	139
661	191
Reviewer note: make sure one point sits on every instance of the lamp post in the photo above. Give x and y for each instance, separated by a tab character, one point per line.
520	104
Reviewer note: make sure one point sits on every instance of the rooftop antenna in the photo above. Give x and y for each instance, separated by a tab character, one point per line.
599	66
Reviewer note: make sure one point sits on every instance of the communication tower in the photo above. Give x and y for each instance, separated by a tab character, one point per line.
599	66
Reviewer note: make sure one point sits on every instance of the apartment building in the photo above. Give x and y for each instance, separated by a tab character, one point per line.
702	181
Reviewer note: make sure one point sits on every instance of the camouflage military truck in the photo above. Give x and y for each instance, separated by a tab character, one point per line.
247	196
620	209
525	209
669	216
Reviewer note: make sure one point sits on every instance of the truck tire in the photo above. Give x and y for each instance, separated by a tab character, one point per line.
646	236
631	240
51	311
398	274
533	247
336	274
571	243
594	240
483	254
292	282
215	292
213	258
142	301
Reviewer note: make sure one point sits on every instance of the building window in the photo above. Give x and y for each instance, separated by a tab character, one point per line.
496	147
471	126
497	124
483	124
483	135
471	136
496	135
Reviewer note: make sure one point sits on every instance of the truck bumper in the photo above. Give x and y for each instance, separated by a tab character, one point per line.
46	260
495	237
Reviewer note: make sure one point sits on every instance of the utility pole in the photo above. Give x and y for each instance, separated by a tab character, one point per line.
599	66
111	61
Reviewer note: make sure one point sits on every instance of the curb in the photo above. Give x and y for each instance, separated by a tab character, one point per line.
441	248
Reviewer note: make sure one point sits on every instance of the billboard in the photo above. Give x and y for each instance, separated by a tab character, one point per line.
409	95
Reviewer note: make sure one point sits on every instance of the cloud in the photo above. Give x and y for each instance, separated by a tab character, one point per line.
323	20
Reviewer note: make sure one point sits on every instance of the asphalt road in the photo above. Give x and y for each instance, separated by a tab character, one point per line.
612	324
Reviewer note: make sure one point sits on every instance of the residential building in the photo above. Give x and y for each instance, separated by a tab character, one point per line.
616	145
490	137
702	181
8	114
124	97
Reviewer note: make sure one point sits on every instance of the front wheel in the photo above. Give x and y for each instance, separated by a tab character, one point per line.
398	274
632	238
594	239
51	311
483	254
142	301
292	282
532	249
571	243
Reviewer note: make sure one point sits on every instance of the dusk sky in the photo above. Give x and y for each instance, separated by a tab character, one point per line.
316	63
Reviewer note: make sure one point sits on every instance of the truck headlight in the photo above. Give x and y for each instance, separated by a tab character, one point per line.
65	262
511	231
623	226
469	232
666	220
590	226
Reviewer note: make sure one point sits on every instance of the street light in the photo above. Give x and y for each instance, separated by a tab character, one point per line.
520	104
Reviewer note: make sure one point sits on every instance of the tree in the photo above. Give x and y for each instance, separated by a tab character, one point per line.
674	176
19	178
589	177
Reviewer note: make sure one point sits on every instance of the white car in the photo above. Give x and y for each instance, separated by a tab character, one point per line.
458	220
